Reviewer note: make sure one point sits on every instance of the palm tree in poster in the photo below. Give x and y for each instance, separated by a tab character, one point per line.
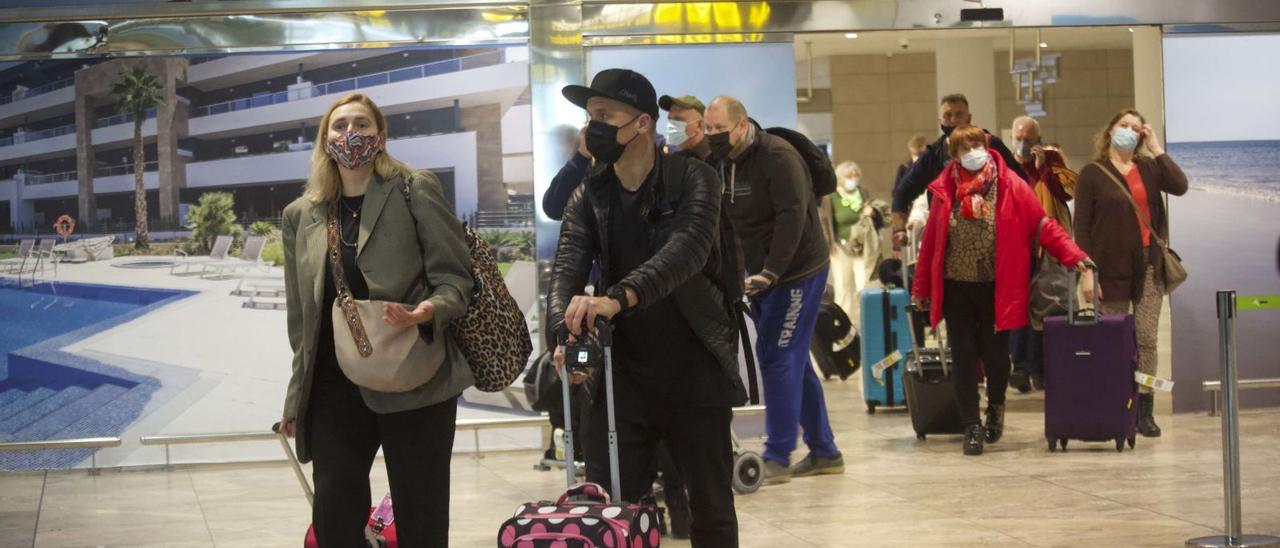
136	92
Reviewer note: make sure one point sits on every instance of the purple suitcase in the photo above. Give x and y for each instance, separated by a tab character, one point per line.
1090	392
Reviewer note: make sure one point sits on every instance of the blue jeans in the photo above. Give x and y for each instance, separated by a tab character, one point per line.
785	317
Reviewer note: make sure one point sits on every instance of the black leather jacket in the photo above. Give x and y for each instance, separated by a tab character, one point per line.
683	261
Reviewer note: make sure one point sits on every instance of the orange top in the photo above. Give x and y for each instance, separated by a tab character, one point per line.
1139	192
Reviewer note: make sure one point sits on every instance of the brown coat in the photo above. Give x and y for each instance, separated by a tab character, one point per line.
1107	229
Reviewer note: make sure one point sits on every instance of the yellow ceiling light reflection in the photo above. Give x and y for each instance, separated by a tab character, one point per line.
499	17
726	15
758	16
698	13
668	14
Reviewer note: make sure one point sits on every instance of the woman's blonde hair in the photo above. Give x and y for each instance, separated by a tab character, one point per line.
1102	141
847	169
325	184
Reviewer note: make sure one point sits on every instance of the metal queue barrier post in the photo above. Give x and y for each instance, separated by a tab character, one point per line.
1234	537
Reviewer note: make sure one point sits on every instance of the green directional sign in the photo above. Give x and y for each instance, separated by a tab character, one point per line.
1258	302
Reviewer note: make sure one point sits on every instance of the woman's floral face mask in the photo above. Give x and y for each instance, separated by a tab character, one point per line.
354	150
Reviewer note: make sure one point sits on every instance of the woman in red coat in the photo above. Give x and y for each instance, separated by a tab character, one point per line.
975	270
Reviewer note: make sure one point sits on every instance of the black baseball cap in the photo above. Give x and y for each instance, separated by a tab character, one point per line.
622	85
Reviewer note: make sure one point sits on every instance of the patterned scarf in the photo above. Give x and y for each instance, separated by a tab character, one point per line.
852	201
971	187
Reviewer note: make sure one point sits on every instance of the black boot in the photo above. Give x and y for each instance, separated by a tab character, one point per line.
995	422
1020	380
973	439
1146	422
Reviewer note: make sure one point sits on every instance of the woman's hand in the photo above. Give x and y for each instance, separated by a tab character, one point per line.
288	426
1151	142
1087	283
397	315
919	303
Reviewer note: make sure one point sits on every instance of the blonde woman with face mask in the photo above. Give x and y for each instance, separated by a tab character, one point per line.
369	228
855	243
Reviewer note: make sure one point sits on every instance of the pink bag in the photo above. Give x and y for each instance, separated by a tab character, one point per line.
583	517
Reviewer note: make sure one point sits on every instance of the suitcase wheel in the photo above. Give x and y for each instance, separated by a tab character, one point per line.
871	408
748	472
1053	444
1063	443
920	436
1119	444
1130	443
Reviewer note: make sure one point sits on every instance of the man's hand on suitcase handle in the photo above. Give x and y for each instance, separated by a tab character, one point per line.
583	310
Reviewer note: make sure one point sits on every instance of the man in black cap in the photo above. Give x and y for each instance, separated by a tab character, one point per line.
650	220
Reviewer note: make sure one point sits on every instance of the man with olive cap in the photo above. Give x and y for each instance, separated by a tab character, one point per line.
685	128
649	220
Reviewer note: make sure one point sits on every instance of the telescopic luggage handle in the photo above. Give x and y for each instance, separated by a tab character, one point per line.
909	258
1076	316
293	461
604	332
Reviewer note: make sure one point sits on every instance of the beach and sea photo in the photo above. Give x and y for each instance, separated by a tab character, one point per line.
1223	128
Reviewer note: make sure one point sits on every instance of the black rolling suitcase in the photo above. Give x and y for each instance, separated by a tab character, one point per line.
930	388
931	392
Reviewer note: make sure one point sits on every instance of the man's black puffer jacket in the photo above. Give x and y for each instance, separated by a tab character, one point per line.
683	262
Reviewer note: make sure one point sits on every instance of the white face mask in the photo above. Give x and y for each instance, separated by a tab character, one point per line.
676	134
975	159
851	184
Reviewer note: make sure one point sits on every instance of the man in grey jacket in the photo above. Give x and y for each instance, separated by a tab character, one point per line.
775	213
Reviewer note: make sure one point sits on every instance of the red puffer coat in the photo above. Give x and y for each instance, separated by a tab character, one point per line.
1018	215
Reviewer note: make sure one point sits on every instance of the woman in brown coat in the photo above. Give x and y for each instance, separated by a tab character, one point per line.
1117	237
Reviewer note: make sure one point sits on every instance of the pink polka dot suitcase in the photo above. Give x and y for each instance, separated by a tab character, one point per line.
585	516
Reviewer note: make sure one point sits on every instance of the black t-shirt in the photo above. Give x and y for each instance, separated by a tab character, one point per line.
655	348
349	217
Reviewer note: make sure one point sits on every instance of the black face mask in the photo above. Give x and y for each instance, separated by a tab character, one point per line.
946	130
602	141
720	145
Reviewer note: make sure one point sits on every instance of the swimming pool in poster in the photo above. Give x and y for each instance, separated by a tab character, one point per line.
46	393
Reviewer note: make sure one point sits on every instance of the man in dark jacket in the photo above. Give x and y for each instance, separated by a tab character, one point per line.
649	220
775	214
686	129
952	112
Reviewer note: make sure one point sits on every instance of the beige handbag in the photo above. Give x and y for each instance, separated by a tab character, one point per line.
1174	272
376	356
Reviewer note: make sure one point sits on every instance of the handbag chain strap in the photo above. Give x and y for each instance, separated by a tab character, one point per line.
345	301
1124	189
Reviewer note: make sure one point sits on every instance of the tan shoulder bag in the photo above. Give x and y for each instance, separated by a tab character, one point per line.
376	356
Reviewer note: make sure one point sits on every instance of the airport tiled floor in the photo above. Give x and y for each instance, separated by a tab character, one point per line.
895	491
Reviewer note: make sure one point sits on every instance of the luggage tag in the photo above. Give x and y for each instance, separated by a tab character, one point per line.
1154	383
383	515
877	370
844	341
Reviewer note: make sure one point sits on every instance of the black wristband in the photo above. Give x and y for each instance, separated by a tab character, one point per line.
619	294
